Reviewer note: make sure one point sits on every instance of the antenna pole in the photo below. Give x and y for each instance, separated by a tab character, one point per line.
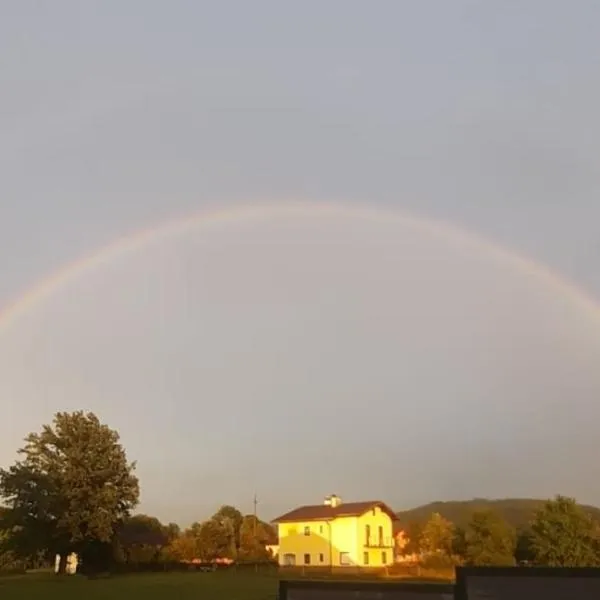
255	517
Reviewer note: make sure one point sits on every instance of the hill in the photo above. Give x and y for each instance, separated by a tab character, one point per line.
516	511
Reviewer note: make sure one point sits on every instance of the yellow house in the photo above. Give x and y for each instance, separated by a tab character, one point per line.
337	534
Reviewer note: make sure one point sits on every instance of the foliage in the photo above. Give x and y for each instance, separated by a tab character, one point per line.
524	553
563	534
172	531
254	537
412	535
71	489
143	538
489	540
229	522
9	561
459	543
437	536
182	548
213	540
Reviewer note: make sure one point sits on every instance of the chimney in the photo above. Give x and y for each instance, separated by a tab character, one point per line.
332	501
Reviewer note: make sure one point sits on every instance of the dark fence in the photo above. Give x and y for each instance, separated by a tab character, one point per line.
363	590
398	571
525	583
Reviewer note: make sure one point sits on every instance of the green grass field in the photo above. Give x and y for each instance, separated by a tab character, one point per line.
168	586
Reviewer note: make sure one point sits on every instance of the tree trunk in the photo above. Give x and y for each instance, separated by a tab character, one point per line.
62	564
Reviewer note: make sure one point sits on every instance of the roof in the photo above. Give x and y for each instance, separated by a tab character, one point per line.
323	512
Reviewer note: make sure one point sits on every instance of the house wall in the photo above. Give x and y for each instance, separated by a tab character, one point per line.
326	544
380	554
340	542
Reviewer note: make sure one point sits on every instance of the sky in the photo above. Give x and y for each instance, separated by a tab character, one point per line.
296	354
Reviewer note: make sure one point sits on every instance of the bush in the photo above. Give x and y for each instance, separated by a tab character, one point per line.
440	561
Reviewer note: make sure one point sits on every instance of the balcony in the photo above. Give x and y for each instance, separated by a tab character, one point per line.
386	542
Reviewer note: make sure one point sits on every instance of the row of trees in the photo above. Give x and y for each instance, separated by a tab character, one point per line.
561	534
73	490
227	534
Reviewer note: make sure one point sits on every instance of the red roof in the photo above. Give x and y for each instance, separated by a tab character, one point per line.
324	512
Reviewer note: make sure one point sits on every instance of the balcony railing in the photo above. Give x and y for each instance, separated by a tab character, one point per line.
385	542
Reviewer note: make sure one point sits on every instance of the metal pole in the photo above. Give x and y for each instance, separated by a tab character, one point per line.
255	517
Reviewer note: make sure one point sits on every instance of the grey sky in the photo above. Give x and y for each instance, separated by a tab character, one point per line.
250	357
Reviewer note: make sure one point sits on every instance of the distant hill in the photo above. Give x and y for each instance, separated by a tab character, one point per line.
516	511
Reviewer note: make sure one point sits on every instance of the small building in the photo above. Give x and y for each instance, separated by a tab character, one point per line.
337	534
71	566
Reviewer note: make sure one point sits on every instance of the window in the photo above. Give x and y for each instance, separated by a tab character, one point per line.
380	535
307	559
344	559
321	558
367	535
373	511
384	558
307	530
320	528
366	558
289	560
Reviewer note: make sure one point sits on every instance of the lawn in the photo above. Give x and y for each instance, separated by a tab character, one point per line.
168	586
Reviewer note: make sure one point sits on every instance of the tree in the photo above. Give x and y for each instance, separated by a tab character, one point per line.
410	543
71	489
564	535
142	538
436	536
489	540
255	535
183	547
459	543
213	540
172	531
230	520
524	553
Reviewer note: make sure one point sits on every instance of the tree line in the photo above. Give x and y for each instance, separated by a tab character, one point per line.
73	490
561	533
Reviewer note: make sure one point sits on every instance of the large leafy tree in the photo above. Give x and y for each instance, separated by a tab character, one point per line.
564	535
489	540
213	540
70	490
437	536
230	521
255	535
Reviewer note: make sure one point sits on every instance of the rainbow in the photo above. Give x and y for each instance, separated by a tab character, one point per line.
138	240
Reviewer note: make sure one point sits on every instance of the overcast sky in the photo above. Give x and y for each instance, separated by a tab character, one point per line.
304	354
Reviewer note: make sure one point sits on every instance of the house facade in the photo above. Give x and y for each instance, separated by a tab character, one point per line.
337	534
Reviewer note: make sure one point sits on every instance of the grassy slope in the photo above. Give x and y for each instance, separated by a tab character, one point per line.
516	511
